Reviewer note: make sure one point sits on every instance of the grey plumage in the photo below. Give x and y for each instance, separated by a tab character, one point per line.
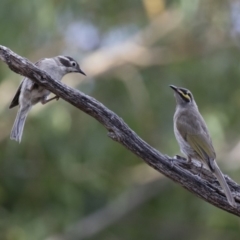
193	137
29	93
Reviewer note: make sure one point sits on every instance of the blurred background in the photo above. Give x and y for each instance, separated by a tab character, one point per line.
67	180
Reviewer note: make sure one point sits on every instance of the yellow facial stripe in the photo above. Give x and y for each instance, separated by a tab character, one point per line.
184	95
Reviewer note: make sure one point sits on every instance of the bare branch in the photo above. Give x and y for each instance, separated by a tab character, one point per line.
204	186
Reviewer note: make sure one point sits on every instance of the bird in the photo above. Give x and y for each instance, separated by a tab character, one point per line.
29	93
193	136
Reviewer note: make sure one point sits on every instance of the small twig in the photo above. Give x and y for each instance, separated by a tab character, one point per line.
206	186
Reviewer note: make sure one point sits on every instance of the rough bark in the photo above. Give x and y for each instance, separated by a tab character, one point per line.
204	185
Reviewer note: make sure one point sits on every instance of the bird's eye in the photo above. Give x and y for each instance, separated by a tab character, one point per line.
74	64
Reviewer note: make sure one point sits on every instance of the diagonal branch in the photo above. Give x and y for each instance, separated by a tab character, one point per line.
204	186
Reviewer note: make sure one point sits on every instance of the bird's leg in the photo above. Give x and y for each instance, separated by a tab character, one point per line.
189	160
201	169
44	101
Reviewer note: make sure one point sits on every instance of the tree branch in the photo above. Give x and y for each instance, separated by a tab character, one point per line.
205	186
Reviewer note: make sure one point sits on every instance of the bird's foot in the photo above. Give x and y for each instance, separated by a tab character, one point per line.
200	172
172	162
49	100
178	157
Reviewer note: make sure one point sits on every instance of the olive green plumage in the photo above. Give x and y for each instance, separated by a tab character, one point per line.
193	138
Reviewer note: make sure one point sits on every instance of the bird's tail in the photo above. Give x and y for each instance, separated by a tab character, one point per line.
17	129
217	172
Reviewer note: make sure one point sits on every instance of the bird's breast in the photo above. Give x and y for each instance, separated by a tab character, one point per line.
185	148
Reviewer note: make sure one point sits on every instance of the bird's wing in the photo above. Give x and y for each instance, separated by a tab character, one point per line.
195	133
203	147
15	100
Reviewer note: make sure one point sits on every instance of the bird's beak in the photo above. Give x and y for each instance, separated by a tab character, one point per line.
174	88
81	71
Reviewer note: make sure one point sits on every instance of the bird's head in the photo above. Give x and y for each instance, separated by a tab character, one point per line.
68	64
183	96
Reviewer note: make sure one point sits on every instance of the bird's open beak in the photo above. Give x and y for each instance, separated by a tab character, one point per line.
173	87
81	71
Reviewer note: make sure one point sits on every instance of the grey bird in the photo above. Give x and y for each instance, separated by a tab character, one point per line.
29	93
193	137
